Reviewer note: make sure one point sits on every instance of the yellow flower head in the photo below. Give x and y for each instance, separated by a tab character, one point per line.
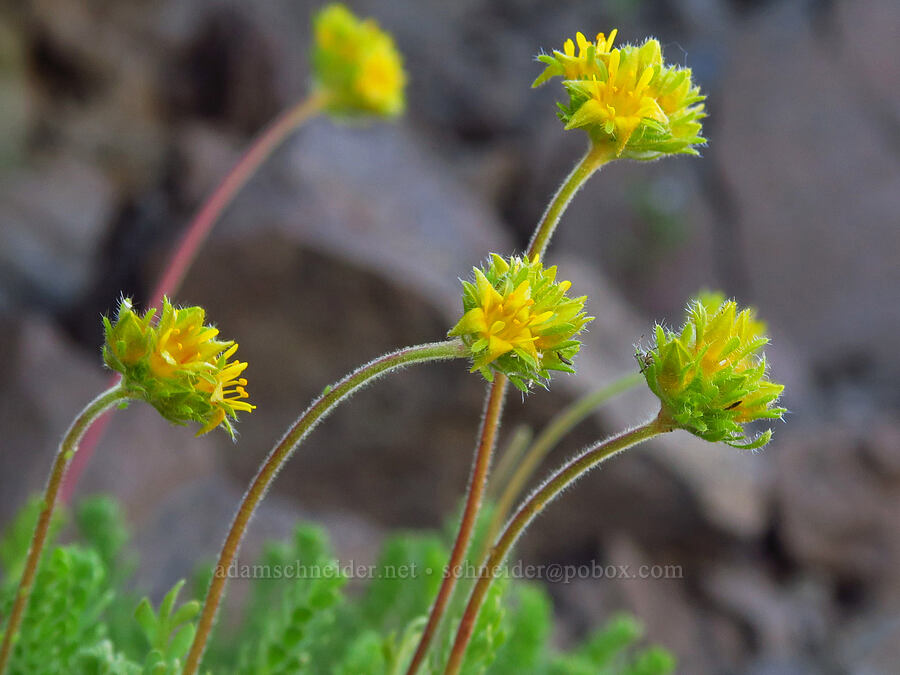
519	321
356	65
177	365
627	97
709	377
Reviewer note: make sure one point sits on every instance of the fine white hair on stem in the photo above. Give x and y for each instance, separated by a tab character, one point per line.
587	450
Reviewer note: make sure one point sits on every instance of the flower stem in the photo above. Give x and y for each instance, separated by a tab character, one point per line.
199	228
561	480
319	409
493	408
595	158
558	427
67	450
196	233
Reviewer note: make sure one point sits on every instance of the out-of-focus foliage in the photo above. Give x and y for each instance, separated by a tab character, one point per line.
298	619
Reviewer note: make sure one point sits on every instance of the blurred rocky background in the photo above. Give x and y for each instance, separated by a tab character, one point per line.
116	118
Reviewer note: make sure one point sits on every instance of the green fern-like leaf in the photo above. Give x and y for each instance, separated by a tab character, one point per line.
364	655
168	631
614	650
298	620
528	630
406	580
490	631
102	527
64	611
291	616
103	659
16	540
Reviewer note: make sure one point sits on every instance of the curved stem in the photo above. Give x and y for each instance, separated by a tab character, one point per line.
67	450
88	444
558	427
196	233
319	409
493	408
560	480
596	156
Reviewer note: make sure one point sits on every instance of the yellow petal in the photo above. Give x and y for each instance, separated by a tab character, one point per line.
472	322
217	417
497	348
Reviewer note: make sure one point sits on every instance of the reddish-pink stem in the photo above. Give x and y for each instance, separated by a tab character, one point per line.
493	409
551	489
195	234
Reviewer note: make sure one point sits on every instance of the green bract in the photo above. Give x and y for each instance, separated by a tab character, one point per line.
519	321
709	377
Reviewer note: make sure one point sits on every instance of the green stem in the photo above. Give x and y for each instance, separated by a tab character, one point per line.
559	426
561	480
596	156
67	450
320	408
493	408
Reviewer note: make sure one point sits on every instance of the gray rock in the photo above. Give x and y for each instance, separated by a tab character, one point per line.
871	646
782	620
815	189
866	39
47	383
53	218
15	96
840	508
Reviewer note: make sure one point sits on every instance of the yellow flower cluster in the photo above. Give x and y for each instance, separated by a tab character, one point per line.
519	321
356	66
709	377
627	97
177	365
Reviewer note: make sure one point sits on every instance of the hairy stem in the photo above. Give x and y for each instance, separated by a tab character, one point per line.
558	427
196	233
67	450
560	480
595	158
492	411
320	408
